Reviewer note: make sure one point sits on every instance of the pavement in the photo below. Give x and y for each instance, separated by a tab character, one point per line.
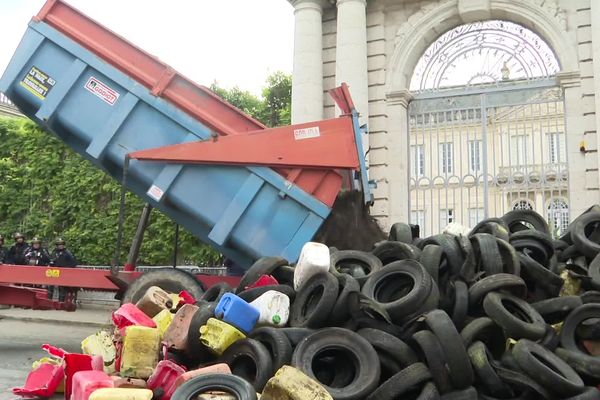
22	333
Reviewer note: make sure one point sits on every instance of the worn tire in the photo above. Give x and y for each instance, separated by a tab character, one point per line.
262	266
451	249
578	234
401	383
512	283
433	354
431	258
487	331
231	384
488	256
388	252
314	301
385	343
547	368
460	308
529	324
573	320
466	394
340	312
401	232
461	373
348	261
485	373
195	349
295	335
344	345
277	343
170	279
249	295
556	309
249	359
514	217
214	293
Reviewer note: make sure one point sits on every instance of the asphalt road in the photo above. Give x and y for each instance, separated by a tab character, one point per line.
20	345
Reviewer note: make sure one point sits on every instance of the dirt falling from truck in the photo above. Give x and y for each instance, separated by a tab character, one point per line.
350	226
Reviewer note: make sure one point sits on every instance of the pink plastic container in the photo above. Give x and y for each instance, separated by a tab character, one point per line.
164	377
79	362
128	314
42	381
85	382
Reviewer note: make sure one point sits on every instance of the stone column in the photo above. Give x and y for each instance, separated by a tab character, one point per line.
397	159
307	82
351	52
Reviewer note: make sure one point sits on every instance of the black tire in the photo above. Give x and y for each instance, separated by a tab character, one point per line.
295	335
536	275
487	253
594	269
510	257
487	331
388	252
433	354
262	266
461	373
521	383
579	234
590	393
530	237
249	295
493	226
514	217
342	345
519	320
466	394
591	296
429	392
314	301
340	312
401	232
249	359
231	384
584	364
431	258
555	310
215	292
547	369
277	343
485	373
461	303
358	264
451	249
573	320
401	383
170	279
499	282
401	287
195	349
385	343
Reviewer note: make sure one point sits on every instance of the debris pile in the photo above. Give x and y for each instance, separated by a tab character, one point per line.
505	312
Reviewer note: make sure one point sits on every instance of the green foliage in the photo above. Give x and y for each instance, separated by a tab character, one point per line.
47	190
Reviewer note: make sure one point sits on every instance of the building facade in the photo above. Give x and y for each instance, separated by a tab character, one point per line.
474	107
7	108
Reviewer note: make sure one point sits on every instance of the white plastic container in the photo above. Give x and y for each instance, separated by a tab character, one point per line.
314	259
274	308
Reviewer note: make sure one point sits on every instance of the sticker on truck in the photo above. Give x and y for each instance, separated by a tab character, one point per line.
156	193
102	90
38	82
307	133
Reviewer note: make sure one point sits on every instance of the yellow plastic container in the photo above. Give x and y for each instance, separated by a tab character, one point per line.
218	335
290	383
140	352
121	394
101	344
163	320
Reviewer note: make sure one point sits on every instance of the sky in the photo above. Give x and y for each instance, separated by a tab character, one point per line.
234	42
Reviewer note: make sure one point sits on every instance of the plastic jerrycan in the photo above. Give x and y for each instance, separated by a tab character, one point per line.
274	308
290	383
163	320
43	381
154	301
314	259
176	335
141	347
218	335
128	314
237	312
164	377
122	394
86	382
101	344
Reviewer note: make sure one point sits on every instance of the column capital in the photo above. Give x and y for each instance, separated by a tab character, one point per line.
340	2
400	97
309	4
569	79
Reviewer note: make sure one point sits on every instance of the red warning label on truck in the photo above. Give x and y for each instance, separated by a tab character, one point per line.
101	90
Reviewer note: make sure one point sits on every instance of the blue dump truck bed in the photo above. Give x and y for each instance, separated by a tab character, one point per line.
67	76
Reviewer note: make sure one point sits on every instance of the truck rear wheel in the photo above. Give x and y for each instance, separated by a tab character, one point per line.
170	279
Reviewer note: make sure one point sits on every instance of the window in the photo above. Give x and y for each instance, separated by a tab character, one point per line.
556	148
558	216
519	149
446	217
417	160
475	216
417	217
523	205
446	158
475	156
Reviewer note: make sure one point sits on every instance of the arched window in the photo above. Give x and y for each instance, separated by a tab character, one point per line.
558	216
523	205
484	52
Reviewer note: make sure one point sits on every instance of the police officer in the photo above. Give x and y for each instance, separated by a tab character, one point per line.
16	254
36	254
61	257
3	250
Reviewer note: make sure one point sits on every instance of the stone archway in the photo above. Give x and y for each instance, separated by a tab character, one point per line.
422	29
